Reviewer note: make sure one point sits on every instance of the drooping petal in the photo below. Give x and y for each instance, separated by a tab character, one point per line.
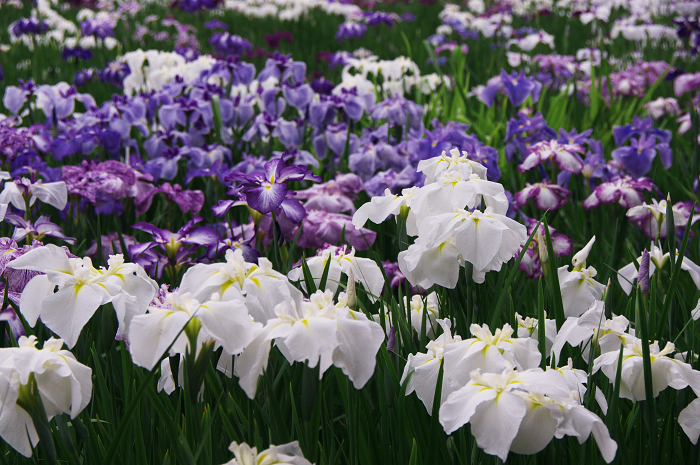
461	405
250	364
689	419
68	310
229	323
536	429
152	333
49	257
495	423
33	296
359	341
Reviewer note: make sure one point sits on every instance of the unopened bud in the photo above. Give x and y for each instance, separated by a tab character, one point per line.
542	247
643	279
351	291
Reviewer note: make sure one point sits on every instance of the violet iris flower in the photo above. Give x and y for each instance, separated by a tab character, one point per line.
28	26
101	28
216	24
563	156
15	97
375	18
229	44
623	189
115	72
267	191
321	228
322	86
186	200
547	196
77	52
171	242
335	196
9	250
351	30
637	157
83	76
178	247
524	131
396	109
517	87
273	40
531	263
640	127
38	229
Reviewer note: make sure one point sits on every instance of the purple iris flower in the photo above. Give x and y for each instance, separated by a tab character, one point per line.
547	196
78	53
178	247
393	273
322	86
186	200
563	156
335	196
282	68
38	229
294	156
191	6
392	180
171	242
101	28
298	95
240	238
341	58
16	96
115	72
686	83
16	142
28	26
531	263
336	137
517	87
623	189
351	30
321	228
375	18
273	40
188	53
229	44
637	157
216	24
9	250
525	130
83	76
267	191
396	110
640	127
432	145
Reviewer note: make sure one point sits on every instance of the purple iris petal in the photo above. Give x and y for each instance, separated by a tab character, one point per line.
266	199
293	210
298	96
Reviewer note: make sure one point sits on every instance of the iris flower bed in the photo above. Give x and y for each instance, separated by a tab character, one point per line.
250	232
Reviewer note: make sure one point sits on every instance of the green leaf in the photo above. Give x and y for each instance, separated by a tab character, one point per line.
554	278
541	339
505	290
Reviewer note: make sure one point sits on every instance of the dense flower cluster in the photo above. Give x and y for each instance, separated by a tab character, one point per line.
215	194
